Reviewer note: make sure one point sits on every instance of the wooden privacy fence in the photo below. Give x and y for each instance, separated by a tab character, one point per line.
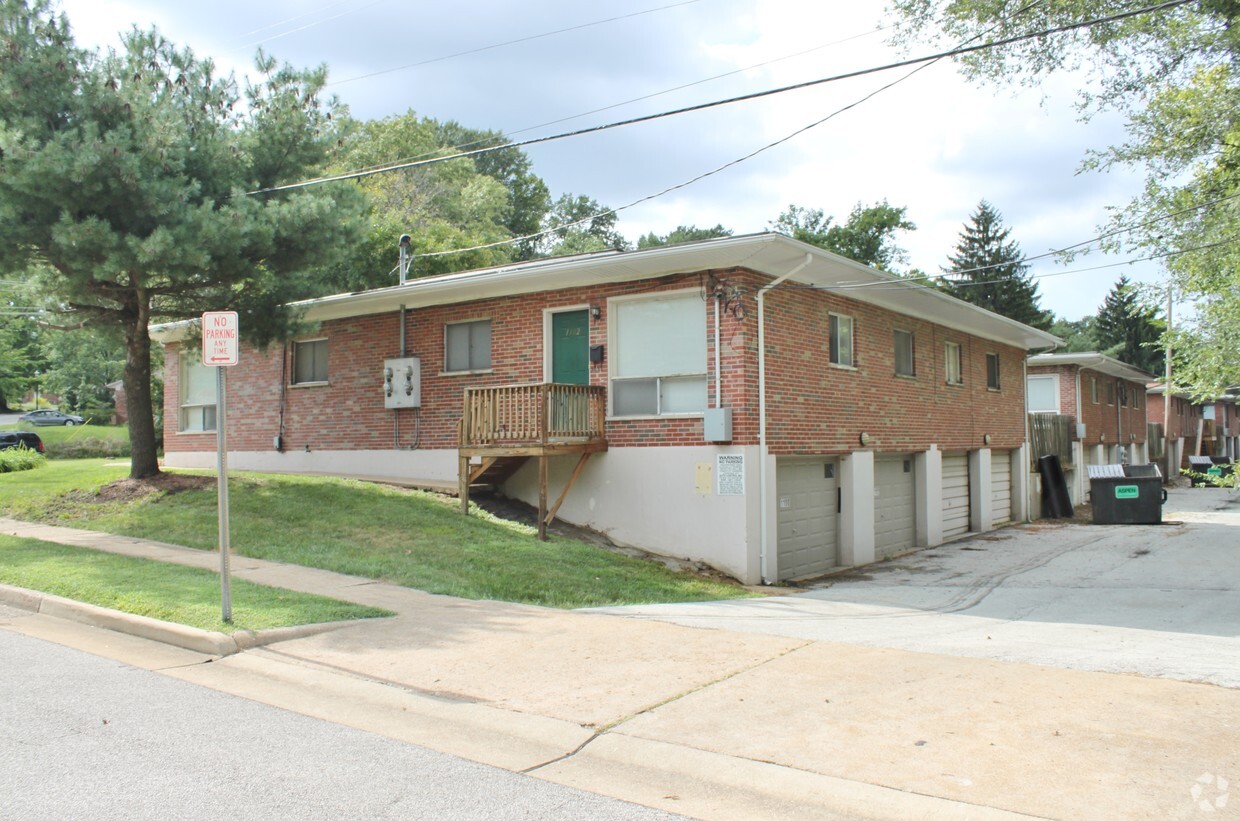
538	414
1050	433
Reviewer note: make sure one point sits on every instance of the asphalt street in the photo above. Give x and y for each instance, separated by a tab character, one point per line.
86	737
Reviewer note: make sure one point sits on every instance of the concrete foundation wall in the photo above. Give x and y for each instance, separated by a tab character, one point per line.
663	500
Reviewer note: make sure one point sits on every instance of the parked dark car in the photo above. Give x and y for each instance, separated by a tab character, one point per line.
51	417
20	438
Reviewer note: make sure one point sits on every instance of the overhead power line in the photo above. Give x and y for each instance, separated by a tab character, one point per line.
526	39
954	52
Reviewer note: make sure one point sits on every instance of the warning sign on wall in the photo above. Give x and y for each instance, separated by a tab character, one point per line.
730	474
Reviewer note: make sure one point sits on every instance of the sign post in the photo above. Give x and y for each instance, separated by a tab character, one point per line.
219	350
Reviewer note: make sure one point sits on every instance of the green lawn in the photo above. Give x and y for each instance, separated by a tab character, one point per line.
411	538
185	595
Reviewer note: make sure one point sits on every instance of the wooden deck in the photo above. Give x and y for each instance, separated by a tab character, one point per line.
505	426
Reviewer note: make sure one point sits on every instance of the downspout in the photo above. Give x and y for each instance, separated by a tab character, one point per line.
763	478
1028	465
718	398
396	411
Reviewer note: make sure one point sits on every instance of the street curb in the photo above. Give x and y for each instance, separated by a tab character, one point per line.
208	642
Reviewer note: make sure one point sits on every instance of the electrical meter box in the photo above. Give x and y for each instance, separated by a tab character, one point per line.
402	382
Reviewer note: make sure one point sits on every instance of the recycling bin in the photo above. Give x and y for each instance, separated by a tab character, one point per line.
1126	494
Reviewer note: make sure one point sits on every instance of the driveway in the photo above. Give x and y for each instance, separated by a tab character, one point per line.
1151	600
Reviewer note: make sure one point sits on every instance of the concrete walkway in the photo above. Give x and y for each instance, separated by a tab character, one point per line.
713	723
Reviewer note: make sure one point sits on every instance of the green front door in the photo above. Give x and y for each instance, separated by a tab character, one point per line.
570	348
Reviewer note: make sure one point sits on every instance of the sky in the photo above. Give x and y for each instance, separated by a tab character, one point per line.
932	142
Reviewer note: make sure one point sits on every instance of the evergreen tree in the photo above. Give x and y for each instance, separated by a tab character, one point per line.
123	178
986	269
1129	330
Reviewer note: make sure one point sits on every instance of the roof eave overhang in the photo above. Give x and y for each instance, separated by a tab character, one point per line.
767	253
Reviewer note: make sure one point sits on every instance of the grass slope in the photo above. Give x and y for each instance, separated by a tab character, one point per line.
410	538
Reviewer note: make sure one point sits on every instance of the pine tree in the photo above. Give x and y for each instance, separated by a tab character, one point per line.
986	269
1128	330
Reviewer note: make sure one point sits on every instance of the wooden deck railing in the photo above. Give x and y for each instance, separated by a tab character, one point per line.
539	414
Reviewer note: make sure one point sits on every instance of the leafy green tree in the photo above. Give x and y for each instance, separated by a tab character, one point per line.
579	225
867	236
21	360
682	233
987	270
81	364
1079	335
125	175
528	197
1130	330
1175	75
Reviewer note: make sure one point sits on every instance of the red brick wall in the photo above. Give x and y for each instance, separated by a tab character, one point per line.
1117	422
816	407
812	407
1184	415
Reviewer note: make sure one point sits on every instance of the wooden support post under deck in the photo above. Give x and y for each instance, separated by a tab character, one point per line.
555	508
542	498
463	484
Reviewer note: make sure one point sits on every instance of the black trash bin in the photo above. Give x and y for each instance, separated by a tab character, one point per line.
1126	494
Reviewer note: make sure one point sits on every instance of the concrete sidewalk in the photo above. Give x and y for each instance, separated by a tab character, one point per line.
715	723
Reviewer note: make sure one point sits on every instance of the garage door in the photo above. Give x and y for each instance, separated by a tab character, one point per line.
894	510
955	494
1000	487
808	519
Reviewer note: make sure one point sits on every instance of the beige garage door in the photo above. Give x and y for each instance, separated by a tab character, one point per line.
1000	487
955	494
808	521
894	509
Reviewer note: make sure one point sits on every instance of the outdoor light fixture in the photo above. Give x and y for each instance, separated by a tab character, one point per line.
1102	437
986	439
595	312
865	438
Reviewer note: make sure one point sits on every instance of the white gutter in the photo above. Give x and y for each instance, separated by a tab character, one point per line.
763	478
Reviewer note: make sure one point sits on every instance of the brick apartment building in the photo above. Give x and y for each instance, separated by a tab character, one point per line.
752	402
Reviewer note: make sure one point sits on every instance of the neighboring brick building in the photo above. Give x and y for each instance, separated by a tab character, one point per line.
763	405
1106	400
1197	428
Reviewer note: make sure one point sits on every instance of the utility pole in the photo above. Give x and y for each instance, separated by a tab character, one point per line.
1167	392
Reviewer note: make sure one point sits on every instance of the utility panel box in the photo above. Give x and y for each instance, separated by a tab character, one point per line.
717	425
402	382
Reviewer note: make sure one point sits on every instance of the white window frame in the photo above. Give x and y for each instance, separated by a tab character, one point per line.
1093	389
297	344
992	356
469	353
1054	380
835	351
958	349
912	352
203	414
661	381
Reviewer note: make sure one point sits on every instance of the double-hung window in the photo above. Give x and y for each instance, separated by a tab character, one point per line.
992	371
310	362
197	388
951	358
467	346
658	362
903	342
841	331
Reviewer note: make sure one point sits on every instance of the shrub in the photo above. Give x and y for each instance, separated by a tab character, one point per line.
88	447
15	459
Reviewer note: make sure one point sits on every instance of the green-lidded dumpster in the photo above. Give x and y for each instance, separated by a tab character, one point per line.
1126	494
